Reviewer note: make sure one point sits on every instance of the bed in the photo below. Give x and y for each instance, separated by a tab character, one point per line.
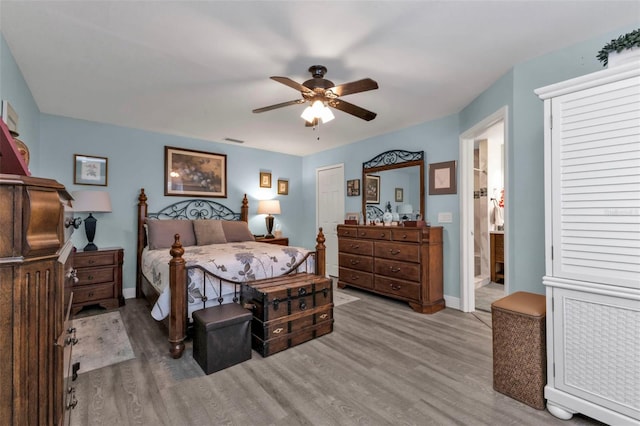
197	253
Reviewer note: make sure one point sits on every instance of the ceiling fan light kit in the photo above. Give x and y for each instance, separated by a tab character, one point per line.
322	94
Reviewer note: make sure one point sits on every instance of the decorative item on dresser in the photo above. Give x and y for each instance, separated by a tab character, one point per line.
592	218
404	263
34	331
99	278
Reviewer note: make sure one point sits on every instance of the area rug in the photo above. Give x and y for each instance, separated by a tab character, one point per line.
102	341
341	298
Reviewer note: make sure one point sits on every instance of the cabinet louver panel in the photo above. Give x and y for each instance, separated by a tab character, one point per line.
596	170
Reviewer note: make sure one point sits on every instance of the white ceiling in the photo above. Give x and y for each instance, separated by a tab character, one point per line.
198	68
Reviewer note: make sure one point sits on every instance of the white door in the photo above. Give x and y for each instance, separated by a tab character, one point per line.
330	210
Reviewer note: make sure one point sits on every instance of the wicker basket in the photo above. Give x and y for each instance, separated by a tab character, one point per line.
519	347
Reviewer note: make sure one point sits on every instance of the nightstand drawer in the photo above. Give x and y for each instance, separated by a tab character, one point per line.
94	259
92	293
94	276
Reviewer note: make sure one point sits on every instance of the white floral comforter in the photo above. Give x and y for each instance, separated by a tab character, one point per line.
232	262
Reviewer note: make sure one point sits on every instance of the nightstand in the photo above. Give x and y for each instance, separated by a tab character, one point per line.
98	278
283	241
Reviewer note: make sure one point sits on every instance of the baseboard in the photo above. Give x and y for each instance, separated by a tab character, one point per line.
129	293
452	302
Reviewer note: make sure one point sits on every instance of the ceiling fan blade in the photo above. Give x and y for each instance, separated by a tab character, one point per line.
354	87
293	84
352	109
280	105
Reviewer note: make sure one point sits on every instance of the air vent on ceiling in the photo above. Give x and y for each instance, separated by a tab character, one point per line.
233	140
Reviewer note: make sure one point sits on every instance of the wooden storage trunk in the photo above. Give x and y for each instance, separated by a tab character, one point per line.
289	310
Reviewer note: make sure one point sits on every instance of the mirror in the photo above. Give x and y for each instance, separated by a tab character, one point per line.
393	180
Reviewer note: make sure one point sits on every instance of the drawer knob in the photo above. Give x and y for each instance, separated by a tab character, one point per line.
303	305
355	277
90	277
404	236
355	246
395	287
382	235
354	262
91	261
395	270
302	291
394	252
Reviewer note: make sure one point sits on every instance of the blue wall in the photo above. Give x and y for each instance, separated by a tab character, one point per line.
136	160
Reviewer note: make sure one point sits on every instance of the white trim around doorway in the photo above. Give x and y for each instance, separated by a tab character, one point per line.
467	282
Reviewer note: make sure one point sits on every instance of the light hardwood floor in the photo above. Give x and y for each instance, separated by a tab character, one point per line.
383	365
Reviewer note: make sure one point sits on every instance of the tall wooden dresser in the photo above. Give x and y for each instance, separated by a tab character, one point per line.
33	263
404	263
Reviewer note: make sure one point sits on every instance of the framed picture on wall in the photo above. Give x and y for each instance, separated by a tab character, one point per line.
372	188
283	187
194	173
399	195
89	170
442	178
265	180
353	187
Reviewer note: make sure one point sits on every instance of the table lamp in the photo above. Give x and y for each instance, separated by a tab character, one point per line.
404	210
91	202
269	207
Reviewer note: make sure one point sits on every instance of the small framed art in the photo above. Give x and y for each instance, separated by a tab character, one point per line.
265	180
353	187
194	173
399	195
89	170
442	178
283	187
372	188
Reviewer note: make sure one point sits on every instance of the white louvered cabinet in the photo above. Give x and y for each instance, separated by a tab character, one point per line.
592	241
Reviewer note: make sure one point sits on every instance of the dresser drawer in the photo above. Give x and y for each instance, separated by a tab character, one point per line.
397	251
395	269
374	232
90	260
92	293
94	276
354	261
397	288
347	231
408	235
362	247
356	278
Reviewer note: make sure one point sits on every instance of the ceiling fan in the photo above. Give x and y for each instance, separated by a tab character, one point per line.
322	93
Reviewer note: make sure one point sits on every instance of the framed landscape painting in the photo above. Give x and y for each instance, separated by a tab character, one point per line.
194	173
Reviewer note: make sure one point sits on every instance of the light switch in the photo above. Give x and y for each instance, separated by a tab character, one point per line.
445	217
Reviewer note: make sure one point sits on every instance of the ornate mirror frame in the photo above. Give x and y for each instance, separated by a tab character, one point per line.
389	160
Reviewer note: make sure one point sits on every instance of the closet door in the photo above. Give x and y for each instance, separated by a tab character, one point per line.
595	155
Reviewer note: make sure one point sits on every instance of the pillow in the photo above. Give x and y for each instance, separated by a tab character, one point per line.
208	231
236	231
161	233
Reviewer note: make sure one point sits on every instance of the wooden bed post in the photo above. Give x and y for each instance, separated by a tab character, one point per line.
142	217
244	210
178	315
321	267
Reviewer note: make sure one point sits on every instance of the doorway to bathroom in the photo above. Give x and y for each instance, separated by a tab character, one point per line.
483	169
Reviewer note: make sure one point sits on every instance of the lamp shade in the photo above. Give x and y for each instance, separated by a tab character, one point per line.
91	201
405	209
269	207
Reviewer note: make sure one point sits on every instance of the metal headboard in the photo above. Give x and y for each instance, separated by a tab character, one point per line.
196	209
374	213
